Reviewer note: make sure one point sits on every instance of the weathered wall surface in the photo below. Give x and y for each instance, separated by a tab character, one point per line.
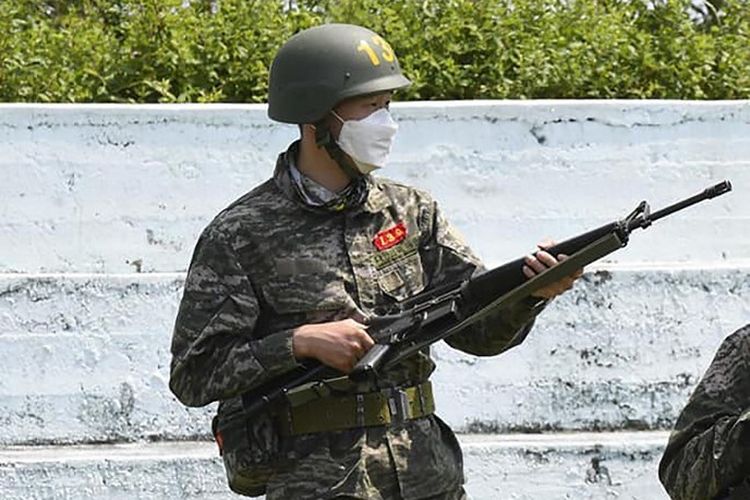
115	189
100	207
521	467
86	357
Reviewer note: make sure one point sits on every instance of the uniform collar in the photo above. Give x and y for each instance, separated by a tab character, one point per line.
376	198
354	197
310	191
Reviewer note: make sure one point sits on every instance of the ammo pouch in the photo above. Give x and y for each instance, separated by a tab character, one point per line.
254	448
251	450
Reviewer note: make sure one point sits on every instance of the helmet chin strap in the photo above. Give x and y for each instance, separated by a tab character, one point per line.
324	138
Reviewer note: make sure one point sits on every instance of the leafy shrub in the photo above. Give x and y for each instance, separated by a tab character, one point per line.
220	50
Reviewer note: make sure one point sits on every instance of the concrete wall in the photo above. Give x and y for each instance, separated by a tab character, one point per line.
100	207
519	467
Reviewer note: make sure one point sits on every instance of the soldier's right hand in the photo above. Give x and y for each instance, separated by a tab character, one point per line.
338	344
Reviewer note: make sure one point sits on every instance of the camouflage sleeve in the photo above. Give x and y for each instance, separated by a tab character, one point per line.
452	261
708	451
214	353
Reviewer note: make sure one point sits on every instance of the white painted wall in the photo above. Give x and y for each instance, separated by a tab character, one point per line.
498	467
96	188
86	357
100	207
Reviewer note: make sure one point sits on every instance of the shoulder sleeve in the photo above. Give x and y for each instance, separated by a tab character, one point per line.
449	259
709	450
215	355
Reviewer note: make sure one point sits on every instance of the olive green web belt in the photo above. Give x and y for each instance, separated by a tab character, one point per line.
385	407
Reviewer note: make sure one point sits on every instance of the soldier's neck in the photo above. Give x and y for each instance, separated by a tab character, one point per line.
315	163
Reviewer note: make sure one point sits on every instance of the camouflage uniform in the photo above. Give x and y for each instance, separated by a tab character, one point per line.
270	263
708	454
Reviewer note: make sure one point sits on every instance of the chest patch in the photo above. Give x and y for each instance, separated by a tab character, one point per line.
390	237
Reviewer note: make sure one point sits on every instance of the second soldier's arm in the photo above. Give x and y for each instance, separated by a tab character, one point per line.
709	450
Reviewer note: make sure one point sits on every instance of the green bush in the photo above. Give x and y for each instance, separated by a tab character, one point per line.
220	50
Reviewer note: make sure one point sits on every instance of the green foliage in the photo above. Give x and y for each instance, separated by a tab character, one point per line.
220	50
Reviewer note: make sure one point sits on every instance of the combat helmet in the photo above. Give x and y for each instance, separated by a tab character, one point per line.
321	66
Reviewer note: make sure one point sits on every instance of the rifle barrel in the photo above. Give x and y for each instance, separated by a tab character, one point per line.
706	194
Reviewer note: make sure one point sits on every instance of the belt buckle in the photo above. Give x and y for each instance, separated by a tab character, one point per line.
398	406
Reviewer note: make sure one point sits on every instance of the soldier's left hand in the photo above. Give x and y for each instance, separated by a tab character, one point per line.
542	260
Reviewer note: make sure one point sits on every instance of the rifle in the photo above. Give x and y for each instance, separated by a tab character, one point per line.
436	314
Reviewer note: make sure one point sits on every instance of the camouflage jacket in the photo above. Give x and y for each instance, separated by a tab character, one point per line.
269	263
708	454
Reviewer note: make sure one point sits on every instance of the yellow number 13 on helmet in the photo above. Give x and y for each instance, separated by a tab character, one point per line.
386	52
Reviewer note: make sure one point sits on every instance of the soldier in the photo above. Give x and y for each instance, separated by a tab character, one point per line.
708	454
292	270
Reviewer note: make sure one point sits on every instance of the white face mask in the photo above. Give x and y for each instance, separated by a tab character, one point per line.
368	141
